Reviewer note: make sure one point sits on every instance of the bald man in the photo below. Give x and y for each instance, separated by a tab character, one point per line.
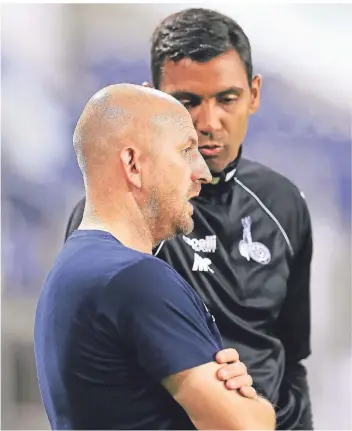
121	340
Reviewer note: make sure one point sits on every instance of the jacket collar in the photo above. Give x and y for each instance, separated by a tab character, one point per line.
228	173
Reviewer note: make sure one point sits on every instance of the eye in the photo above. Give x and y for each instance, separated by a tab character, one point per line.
187	150
228	100
190	103
187	103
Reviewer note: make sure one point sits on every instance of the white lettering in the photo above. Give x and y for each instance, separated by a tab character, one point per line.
207	245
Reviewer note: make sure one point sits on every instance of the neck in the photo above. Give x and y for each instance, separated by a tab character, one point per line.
124	221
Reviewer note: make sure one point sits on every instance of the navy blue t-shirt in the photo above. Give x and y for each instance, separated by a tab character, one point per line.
111	323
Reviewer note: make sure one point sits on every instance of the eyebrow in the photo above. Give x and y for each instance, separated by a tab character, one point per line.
191	142
188	95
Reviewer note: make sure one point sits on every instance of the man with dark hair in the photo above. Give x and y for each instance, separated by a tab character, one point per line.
250	253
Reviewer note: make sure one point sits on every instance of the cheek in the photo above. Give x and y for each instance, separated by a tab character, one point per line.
174	174
168	179
236	121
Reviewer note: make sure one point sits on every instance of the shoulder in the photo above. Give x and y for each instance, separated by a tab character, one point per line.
149	287
267	182
149	278
151	267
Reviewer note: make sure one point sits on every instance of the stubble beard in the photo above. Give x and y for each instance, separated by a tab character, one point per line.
164	223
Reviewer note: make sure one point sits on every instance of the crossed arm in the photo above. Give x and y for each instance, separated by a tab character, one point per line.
178	345
210	405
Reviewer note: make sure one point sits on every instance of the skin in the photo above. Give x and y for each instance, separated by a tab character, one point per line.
210	406
219	99
234	373
138	152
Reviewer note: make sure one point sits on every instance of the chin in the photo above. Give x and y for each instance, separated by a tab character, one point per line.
215	166
186	227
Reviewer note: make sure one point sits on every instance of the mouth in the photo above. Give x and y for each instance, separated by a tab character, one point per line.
192	197
210	150
195	194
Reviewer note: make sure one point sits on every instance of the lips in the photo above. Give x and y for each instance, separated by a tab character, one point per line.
195	194
194	191
210	150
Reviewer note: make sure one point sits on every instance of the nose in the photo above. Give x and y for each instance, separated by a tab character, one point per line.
207	119
200	171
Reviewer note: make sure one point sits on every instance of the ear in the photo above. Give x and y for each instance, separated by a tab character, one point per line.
255	94
130	158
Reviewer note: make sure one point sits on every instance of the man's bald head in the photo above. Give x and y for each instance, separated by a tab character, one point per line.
138	151
120	115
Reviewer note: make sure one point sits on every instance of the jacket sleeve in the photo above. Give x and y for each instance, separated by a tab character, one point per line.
75	218
293	326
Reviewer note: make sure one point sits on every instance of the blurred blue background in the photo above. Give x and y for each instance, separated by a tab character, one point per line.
54	57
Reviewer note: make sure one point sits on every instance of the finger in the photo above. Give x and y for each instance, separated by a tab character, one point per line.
227	355
239	382
248	392
232	370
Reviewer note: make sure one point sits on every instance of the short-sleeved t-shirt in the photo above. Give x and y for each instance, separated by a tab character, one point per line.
111	323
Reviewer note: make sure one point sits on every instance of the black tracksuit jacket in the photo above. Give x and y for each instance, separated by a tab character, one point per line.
249	259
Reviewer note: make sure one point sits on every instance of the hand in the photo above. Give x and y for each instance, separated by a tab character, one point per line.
234	373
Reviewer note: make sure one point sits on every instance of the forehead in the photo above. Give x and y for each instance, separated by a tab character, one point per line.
216	75
176	126
182	129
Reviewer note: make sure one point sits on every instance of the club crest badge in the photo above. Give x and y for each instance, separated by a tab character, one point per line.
256	251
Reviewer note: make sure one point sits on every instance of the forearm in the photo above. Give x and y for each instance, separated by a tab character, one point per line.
226	415
264	415
220	408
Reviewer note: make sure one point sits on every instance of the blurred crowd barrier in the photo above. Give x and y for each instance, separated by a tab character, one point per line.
54	57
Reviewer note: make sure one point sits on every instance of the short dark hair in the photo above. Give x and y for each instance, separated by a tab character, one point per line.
200	35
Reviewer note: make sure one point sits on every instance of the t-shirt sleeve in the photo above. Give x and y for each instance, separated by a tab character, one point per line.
161	319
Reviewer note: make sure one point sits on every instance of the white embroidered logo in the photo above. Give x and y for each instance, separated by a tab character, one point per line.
207	245
201	264
253	250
